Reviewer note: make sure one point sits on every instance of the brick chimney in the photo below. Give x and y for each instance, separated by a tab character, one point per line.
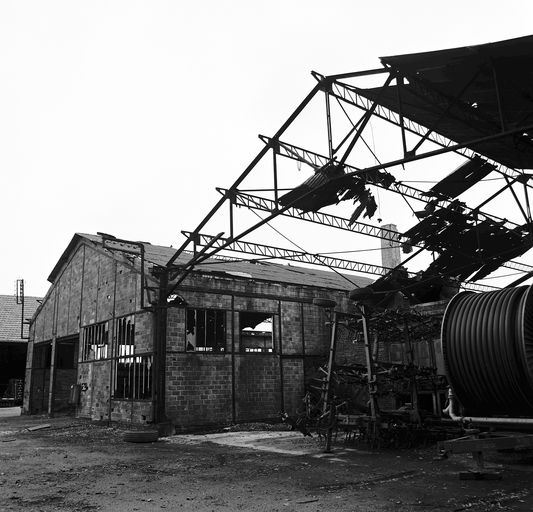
390	247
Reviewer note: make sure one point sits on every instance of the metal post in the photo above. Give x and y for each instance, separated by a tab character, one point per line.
280	353
231	203
160	342
412	379
366	118
369	366
328	121
328	401
275	169
399	81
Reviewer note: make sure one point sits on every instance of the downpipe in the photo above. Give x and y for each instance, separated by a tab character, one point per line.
482	420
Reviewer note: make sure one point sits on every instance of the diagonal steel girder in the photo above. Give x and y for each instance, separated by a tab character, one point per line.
305	257
326	219
268	205
355	96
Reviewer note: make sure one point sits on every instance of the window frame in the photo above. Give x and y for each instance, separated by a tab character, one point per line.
129	334
134	380
249	350
219	346
90	333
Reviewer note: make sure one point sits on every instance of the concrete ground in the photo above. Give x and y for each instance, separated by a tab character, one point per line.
65	464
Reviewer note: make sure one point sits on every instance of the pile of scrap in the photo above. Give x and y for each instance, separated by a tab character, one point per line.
377	401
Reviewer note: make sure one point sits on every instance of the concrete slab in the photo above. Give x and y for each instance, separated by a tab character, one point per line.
286	443
10	412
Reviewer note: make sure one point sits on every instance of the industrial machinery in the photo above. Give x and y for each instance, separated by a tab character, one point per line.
487	343
488	351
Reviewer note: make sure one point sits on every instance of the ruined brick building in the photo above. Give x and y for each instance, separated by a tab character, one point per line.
238	339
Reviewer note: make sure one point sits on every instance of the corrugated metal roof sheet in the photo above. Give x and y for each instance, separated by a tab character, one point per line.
477	113
10	316
261	270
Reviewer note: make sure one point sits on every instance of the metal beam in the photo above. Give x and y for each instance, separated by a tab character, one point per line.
308	258
325	219
355	96
290	254
364	122
248	169
317	161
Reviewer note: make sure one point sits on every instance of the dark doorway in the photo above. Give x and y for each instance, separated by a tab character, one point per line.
12	369
66	374
40	380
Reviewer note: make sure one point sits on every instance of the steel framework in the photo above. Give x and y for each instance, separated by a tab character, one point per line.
367	104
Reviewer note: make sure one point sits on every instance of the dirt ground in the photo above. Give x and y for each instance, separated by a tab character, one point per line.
78	465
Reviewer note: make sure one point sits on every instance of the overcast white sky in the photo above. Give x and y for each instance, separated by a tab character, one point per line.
123	116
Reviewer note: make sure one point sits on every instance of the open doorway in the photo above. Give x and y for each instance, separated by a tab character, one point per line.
66	374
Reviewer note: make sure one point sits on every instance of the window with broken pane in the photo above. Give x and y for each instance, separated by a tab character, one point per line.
205	330
133	377
125	336
257	332
95	342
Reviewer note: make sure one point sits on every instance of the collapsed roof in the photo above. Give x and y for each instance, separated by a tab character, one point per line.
475	101
490	87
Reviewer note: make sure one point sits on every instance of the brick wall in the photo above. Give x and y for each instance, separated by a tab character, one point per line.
317	333
131	411
144	332
100	390
293	385
92	287
63	299
76	281
85	381
198	389
257	387
291	328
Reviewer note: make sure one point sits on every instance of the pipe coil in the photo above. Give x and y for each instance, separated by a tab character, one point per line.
487	343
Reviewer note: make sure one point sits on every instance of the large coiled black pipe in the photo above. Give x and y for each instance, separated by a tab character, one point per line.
487	342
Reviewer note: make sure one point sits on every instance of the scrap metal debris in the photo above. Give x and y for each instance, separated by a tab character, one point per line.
330	185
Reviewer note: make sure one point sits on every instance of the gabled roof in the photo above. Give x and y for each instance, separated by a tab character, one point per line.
10	316
265	271
477	76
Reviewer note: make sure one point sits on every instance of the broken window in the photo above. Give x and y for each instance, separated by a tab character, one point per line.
125	336
95	342
256	332
133	377
206	330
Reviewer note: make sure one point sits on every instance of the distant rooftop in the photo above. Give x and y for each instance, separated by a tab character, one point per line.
10	316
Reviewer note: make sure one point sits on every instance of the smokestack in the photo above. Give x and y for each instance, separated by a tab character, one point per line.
390	247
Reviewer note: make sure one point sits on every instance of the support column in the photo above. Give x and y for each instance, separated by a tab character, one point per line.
160	350
53	358
51	386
